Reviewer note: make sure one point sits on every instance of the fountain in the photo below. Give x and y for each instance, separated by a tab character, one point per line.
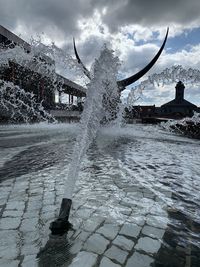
101	90
101	107
155	170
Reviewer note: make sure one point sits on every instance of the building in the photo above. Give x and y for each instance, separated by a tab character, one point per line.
140	111
178	107
174	109
30	78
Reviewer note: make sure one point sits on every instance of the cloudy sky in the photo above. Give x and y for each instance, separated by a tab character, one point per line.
134	28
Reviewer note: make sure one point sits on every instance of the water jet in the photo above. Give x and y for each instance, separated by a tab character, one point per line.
101	107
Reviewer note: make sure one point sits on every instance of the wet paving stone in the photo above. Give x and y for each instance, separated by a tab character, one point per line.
116	253
123	242
9	252
130	230
148	245
105	262
157	221
29	249
29	225
153	232
84	259
139	260
9	223
15	205
92	224
12	213
83	235
76	247
9	263
96	243
110	231
29	261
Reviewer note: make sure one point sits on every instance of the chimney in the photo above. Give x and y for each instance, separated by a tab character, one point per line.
179	92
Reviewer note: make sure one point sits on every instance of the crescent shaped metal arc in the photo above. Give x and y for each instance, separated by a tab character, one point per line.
85	70
123	83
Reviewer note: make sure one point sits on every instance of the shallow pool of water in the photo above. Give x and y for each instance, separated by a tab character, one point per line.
137	196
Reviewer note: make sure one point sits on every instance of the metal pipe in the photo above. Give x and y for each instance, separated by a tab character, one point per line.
62	225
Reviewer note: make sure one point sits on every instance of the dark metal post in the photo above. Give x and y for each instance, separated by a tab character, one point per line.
62	225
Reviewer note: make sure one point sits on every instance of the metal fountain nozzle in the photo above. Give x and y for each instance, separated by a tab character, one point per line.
61	225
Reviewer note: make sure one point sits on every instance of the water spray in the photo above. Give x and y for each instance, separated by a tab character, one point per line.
101	106
96	108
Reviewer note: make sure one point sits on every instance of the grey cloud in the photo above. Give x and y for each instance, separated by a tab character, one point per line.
44	14
137	60
154	12
64	14
61	16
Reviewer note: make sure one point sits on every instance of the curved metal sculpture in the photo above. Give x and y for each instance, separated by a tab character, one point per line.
85	70
125	82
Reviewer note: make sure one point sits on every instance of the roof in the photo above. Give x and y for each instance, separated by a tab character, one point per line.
143	106
72	87
178	104
69	86
14	38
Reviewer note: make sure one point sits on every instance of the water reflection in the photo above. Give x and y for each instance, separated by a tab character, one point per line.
55	253
34	158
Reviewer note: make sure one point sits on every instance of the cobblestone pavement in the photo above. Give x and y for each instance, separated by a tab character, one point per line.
117	221
29	205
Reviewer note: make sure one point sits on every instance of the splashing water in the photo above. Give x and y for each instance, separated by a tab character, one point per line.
21	106
16	104
167	76
176	73
41	61
187	126
195	119
100	108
